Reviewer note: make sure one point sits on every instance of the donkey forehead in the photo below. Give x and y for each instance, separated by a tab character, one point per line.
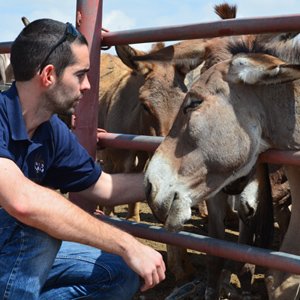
162	80
212	81
161	71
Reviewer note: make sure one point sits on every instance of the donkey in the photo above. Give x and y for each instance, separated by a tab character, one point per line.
136	89
133	99
6	72
146	72
210	52
236	110
140	95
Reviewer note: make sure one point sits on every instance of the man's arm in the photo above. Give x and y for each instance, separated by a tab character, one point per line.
50	212
116	189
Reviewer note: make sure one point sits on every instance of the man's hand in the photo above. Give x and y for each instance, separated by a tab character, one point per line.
142	259
146	262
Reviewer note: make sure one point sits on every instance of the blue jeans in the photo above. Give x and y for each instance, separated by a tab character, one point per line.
34	265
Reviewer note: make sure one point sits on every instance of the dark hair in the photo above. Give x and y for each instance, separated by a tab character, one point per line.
33	44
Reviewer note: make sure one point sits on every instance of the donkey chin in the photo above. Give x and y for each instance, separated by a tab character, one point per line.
179	213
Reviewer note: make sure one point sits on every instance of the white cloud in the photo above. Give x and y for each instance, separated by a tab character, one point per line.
117	20
12	11
258	8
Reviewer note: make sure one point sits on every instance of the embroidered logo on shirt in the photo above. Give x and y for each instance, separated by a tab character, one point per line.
39	166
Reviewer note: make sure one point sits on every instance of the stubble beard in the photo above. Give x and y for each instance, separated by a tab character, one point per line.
59	100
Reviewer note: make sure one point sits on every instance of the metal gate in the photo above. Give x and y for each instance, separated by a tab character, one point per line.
89	22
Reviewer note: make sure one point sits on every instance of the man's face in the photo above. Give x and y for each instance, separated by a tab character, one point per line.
70	86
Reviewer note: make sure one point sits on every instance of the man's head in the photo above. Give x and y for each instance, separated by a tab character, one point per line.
43	42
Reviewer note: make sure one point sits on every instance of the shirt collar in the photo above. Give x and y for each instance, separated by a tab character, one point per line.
15	117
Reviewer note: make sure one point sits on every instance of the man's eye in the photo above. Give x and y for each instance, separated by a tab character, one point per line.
192	105
81	76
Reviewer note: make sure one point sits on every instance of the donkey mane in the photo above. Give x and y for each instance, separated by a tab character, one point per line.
253	45
287	49
284	46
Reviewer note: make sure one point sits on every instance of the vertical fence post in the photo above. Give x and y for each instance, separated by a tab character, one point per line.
89	23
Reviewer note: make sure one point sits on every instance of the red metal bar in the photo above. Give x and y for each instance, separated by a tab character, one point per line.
5	47
228	27
281	157
287	23
89	22
128	141
150	143
239	252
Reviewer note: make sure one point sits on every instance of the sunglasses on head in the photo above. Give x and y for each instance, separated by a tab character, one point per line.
70	33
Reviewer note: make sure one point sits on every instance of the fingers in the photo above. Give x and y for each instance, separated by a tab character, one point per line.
161	270
146	262
98	212
150	282
154	278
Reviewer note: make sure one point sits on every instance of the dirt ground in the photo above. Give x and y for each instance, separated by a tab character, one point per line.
165	288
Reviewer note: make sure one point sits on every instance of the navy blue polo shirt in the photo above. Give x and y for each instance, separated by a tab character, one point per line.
53	157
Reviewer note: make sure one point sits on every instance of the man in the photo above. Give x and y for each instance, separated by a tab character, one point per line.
38	154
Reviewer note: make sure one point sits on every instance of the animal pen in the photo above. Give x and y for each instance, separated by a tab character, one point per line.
89	22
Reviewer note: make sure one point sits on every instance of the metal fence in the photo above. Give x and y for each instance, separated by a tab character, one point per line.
89	22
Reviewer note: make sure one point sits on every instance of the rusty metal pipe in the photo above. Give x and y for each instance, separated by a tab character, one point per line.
288	23
88	20
128	141
280	157
5	47
239	252
150	143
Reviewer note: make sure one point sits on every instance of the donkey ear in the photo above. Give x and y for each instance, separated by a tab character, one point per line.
127	53
185	56
261	69
128	56
189	55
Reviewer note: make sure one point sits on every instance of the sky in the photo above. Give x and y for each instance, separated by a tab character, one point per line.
133	14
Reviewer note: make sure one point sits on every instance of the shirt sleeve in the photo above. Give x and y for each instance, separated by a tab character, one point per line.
4	136
4	152
73	169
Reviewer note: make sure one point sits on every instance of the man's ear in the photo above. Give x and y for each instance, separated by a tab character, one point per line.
48	76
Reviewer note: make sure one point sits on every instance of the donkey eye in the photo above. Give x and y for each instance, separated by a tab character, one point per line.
192	104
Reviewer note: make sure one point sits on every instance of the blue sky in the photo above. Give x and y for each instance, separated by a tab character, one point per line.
129	14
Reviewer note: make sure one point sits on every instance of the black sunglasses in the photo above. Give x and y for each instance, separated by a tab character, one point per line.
70	33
